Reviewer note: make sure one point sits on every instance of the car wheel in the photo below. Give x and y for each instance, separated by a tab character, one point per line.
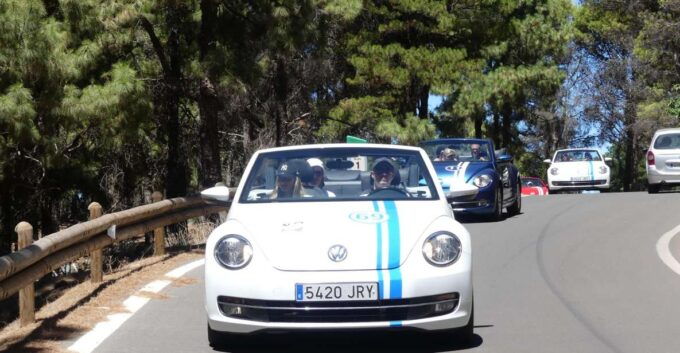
498	205
516	206
653	188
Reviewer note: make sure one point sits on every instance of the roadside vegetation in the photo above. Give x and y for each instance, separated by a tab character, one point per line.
108	101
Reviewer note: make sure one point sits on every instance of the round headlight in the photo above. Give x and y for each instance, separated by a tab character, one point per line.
441	248
233	251
603	169
554	171
482	180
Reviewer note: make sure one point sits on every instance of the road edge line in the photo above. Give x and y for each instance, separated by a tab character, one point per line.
102	330
664	251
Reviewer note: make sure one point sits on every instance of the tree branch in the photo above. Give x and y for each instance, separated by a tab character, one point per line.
158	47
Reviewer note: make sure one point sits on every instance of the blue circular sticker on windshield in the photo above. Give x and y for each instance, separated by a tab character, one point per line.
368	217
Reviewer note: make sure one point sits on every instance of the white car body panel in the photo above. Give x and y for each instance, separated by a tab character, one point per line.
666	168
578	175
384	241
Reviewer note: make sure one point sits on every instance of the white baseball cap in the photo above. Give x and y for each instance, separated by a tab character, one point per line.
315	162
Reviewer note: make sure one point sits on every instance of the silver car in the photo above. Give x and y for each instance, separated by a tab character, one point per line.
663	160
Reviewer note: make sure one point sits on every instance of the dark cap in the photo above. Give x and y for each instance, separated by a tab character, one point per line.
383	164
286	169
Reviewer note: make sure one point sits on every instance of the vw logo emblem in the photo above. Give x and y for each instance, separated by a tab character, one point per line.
337	253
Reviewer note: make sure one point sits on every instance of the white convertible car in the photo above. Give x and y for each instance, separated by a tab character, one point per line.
578	169
364	239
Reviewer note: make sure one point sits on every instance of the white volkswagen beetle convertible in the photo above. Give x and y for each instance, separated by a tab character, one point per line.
578	169
338	236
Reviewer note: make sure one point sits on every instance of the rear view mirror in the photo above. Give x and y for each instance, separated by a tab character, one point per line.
216	195
546	161
607	159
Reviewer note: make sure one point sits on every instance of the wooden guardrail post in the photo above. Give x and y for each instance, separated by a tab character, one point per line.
158	233
96	256
26	295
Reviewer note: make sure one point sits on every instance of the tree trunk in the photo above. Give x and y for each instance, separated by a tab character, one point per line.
281	94
479	119
210	164
423	103
176	180
496	128
629	161
507	124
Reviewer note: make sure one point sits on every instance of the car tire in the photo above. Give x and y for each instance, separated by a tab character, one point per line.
516	206
653	188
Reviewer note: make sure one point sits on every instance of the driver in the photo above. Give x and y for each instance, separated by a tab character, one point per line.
476	152
384	174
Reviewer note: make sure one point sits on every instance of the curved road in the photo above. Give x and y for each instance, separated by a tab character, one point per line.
573	273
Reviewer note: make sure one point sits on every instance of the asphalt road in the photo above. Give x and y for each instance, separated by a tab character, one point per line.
573	273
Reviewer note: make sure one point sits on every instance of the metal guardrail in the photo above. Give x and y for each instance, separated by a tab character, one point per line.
20	269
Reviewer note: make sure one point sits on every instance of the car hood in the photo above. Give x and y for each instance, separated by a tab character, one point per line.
298	236
451	173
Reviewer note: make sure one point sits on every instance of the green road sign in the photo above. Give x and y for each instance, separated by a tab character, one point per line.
354	139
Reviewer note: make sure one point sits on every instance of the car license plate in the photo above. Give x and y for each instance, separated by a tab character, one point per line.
336	292
580	178
674	165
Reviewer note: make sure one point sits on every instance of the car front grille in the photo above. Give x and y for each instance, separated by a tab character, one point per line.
579	183
337	312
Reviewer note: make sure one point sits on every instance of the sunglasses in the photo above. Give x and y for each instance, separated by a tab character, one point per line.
318	172
383	173
285	178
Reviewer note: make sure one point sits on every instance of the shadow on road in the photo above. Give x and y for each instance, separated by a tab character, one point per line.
349	341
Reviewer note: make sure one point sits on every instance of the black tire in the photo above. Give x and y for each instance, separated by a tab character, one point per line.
497	214
653	188
516	206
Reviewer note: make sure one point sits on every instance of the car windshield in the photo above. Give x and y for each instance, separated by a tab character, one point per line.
667	142
337	174
457	151
531	182
577	156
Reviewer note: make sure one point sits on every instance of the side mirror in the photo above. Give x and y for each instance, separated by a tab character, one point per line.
505	158
460	190
548	161
216	195
607	159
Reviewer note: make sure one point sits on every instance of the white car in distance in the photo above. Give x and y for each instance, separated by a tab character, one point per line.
384	251
578	169
663	160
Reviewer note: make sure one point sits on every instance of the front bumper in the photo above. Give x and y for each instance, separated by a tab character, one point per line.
272	305
600	183
481	203
655	176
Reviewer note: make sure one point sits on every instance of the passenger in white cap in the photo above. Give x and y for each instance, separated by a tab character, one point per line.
319	172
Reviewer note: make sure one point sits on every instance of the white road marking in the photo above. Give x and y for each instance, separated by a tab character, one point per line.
91	340
664	251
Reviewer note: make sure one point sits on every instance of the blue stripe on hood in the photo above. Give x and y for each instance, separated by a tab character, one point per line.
473	169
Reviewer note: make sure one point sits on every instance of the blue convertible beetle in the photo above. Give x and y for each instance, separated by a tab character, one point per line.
474	161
